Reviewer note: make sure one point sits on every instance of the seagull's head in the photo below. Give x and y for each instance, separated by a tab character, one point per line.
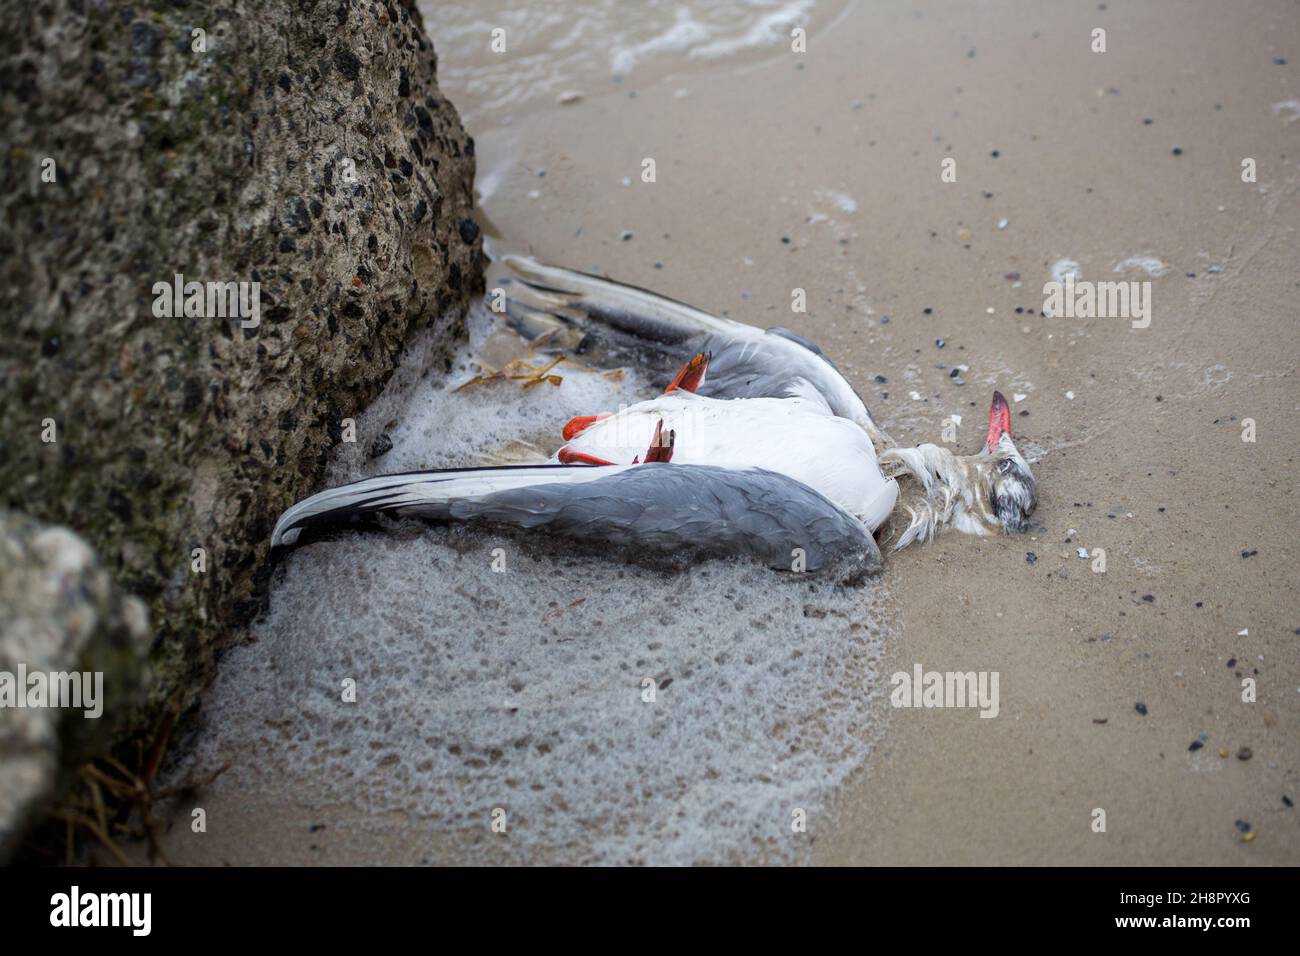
1009	484
977	494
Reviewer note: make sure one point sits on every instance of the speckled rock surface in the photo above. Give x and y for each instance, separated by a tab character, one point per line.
59	612
303	146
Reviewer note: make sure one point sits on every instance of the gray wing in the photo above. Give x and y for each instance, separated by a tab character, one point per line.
659	508
769	366
588	314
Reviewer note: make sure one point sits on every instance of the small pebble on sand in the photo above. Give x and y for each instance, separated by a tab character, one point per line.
1031	558
382	445
1141	708
1245	753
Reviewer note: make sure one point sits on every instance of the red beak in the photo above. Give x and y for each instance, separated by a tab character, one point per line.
999	422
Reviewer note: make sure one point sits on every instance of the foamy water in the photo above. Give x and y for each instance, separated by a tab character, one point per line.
590	46
525	689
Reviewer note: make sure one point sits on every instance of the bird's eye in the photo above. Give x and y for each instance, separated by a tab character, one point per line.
1004	465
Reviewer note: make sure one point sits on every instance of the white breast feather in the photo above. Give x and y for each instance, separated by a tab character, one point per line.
792	436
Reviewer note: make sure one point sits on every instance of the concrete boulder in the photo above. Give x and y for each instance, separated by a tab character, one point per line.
297	160
301	146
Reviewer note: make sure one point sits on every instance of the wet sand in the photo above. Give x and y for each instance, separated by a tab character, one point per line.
821	171
1152	435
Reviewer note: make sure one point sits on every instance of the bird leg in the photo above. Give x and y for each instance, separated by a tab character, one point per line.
661	450
690	378
692	374
576	426
569	457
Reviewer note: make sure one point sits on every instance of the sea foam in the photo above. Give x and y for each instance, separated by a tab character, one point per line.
526	689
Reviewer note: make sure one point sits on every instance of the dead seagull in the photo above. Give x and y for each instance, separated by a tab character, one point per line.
980	494
758	446
792	436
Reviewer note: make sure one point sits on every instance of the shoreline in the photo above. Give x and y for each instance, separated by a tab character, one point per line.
773	177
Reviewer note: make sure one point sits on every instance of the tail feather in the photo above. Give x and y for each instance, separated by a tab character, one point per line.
662	333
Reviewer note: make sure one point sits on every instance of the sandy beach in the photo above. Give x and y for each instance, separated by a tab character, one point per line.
1120	690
